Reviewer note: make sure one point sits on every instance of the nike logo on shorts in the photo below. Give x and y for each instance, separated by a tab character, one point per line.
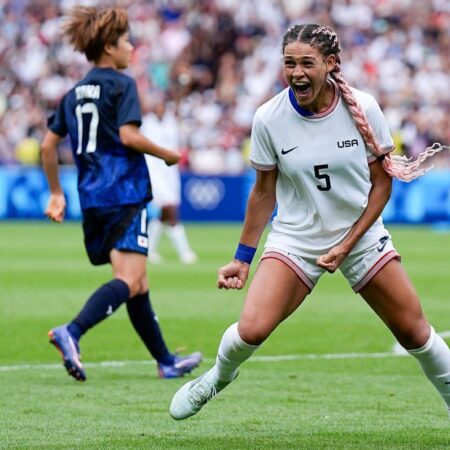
383	241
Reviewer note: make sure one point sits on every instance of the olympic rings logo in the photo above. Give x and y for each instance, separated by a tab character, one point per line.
204	193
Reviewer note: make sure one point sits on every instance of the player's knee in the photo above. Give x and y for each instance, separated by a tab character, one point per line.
253	333
136	285
415	334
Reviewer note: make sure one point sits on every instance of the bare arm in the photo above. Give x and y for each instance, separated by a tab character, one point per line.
49	151
260	206
133	138
378	197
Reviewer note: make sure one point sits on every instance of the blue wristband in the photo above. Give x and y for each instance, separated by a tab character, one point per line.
245	253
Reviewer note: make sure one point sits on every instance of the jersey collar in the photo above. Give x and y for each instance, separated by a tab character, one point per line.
310	115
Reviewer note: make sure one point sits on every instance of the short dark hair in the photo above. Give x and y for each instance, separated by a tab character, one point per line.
89	29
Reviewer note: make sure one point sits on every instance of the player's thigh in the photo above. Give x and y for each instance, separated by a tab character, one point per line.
392	296
274	293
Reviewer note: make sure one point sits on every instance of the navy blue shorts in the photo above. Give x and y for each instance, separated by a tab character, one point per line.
119	227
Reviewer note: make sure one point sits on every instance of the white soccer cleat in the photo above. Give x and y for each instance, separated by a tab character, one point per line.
192	396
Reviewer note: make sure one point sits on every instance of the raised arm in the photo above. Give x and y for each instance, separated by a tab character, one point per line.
56	205
133	138
378	197
260	206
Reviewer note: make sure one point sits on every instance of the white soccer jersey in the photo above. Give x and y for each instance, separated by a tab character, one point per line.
166	184
323	170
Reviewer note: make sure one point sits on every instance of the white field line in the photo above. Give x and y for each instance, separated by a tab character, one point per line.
397	351
260	359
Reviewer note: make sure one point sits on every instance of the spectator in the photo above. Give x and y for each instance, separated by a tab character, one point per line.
219	54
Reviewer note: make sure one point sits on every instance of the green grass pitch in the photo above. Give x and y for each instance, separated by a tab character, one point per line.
334	383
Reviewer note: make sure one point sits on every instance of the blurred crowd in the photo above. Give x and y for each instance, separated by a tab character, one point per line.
216	61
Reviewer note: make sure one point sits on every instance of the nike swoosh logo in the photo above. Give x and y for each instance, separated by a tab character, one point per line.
447	382
285	152
383	241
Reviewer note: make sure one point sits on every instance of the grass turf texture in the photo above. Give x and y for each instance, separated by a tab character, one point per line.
367	403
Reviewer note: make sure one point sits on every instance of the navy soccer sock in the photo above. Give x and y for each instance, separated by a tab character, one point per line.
101	304
146	325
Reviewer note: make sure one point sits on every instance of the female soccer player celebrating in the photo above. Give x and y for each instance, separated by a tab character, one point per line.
101	114
321	152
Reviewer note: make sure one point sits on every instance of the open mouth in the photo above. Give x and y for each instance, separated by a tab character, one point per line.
302	88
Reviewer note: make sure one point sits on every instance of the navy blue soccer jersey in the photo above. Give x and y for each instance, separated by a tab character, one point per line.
91	113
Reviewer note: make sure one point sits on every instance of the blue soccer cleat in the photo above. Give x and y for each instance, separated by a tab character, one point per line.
181	366
70	352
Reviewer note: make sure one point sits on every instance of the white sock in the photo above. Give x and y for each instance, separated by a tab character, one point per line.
177	235
233	351
155	229
434	357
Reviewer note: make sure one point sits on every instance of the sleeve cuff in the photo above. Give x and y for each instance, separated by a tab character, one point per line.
263	167
372	158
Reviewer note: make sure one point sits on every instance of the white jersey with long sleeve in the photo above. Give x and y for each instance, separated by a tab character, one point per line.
323	170
166	184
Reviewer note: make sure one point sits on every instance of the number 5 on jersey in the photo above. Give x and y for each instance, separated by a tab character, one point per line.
323	177
87	108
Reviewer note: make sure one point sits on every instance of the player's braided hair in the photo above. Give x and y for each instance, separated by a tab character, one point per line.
325	39
90	29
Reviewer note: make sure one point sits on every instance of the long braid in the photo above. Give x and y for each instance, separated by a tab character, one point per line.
396	166
356	111
326	40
